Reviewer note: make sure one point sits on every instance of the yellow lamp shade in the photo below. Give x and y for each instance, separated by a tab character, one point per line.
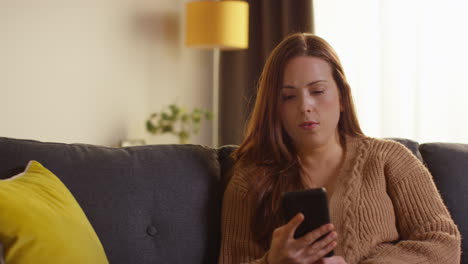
217	24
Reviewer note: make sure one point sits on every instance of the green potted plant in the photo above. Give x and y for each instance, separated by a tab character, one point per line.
177	121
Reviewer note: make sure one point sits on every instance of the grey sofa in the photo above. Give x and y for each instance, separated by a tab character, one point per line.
161	203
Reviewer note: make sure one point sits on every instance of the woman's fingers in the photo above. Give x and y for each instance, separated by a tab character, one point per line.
318	255
311	237
320	248
324	241
284	248
282	234
333	260
283	237
322	252
293	224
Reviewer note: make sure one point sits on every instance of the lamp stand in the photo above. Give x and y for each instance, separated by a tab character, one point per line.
215	101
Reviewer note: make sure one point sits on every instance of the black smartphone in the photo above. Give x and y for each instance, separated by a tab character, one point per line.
313	204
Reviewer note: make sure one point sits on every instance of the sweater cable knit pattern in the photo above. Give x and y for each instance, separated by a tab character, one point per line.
351	186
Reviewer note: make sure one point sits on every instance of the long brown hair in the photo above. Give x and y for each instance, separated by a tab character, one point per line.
267	146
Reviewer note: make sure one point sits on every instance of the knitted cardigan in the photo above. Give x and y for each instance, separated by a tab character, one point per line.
385	208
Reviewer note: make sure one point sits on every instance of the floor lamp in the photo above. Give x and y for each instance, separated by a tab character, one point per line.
217	25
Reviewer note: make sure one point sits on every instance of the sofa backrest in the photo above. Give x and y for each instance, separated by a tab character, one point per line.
448	164
147	204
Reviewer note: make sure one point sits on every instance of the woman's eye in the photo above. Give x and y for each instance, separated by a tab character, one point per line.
288	97
318	92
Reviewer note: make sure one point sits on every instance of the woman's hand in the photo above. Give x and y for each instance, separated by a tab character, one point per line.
285	249
332	260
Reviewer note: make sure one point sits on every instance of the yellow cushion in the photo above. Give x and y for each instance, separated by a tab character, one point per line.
41	222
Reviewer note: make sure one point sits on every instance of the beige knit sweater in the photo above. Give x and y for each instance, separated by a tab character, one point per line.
385	207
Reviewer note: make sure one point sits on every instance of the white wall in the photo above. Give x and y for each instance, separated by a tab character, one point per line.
92	71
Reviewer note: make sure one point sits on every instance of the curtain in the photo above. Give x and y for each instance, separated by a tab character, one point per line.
269	22
405	62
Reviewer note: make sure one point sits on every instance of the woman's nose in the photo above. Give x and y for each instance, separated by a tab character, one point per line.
307	104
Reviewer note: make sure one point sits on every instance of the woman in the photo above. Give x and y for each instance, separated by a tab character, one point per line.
304	133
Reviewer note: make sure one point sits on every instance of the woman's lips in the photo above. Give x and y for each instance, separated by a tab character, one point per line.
308	125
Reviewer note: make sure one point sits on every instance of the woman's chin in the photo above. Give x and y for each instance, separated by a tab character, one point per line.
314	141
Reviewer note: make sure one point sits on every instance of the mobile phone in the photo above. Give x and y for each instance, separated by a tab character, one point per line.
313	204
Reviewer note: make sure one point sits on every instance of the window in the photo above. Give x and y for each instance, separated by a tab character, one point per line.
406	62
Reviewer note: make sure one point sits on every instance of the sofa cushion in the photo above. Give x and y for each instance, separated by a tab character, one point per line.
41	222
448	164
147	204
